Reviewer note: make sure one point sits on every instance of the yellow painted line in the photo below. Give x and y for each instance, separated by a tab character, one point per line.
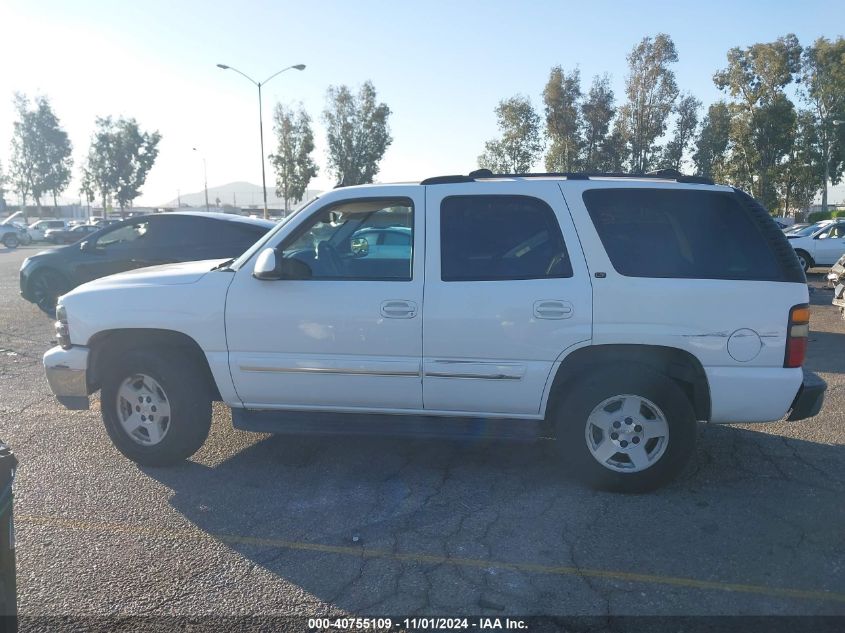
480	563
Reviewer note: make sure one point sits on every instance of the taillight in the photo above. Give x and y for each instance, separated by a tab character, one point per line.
796	335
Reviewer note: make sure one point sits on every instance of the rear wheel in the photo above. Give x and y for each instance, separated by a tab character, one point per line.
156	406
805	260
45	288
10	240
627	429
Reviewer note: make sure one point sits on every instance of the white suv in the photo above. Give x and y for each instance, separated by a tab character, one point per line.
612	313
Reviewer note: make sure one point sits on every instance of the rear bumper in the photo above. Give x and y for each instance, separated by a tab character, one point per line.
67	374
810	397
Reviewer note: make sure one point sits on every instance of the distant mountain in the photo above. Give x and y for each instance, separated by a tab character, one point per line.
239	194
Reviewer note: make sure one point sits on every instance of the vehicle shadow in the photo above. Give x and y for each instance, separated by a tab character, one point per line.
827	349
374	525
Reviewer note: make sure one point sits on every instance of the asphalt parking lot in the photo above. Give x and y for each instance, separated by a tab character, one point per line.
255	524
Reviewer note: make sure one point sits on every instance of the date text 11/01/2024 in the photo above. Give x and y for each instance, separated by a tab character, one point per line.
386	624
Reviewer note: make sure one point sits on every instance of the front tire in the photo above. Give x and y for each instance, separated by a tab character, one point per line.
45	288
805	260
156	406
625	429
10	240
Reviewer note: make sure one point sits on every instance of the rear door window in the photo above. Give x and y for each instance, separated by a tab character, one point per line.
497	238
678	233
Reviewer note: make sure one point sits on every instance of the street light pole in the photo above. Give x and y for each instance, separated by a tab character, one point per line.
204	178
261	135
258	84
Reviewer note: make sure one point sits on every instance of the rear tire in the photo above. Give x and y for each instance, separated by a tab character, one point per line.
625	429
805	260
173	382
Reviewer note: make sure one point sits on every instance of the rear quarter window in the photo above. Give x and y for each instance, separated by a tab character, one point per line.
680	233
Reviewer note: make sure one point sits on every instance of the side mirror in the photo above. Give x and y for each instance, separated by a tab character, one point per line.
265	266
359	246
87	246
270	267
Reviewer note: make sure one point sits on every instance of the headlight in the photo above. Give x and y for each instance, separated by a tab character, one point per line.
62	330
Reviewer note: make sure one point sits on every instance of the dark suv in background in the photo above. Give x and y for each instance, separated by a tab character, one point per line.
135	243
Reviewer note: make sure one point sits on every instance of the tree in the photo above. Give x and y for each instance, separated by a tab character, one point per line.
3	182
798	176
651	90
761	115
520	145
119	159
24	148
614	152
561	97
710	156
757	72
823	78
41	150
54	158
358	133
772	134
597	112
292	160
686	122
87	188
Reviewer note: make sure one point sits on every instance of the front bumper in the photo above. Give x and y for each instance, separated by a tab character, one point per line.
808	402
67	374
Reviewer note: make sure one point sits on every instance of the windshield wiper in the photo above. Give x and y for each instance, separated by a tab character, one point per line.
224	265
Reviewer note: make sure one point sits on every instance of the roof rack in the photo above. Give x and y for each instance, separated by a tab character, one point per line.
660	174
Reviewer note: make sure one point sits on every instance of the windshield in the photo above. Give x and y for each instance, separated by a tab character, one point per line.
809	230
243	259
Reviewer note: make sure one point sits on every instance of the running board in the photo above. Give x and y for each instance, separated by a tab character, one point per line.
384	425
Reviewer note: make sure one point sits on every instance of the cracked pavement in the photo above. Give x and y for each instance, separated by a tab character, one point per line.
256	524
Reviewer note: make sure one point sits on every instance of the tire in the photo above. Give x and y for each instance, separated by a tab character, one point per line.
10	240
46	287
186	395
586	418
805	260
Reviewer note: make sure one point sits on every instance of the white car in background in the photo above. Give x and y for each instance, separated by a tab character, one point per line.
820	244
37	230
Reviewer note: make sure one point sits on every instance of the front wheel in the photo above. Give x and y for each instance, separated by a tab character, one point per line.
805	260
10	240
46	287
626	429
156	406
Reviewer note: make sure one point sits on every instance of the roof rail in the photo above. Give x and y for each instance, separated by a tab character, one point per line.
660	174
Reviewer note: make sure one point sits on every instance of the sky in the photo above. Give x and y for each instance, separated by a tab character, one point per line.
440	66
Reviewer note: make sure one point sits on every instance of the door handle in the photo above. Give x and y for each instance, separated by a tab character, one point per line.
398	309
552	309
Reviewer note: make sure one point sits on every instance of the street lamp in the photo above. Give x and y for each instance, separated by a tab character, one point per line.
258	84
204	177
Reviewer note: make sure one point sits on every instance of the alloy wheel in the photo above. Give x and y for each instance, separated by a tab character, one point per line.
627	433
143	409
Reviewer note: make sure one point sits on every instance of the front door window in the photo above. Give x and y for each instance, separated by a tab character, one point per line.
358	240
